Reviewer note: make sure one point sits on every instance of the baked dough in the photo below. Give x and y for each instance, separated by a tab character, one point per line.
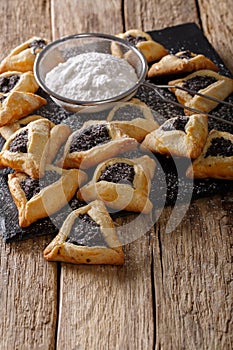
18	81
137	128
151	49
216	159
117	143
41	143
22	58
181	62
180	136
135	118
61	250
220	89
9	129
17	104
132	109
122	195
50	198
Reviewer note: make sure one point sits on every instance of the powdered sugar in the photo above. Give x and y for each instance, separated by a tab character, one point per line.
91	77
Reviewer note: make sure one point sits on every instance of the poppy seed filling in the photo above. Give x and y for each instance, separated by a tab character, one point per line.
90	137
31	187
135	40
220	147
118	173
186	54
86	232
198	83
8	83
19	143
37	44
175	124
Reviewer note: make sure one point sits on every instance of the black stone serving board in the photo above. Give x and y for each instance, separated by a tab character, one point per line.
170	183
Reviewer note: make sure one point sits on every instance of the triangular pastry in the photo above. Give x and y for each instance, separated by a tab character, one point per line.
9	129
22	58
18	104
132	109
216	159
87	236
39	198
181	136
152	50
134	118
18	81
93	143
122	184
181	62
30	148
206	82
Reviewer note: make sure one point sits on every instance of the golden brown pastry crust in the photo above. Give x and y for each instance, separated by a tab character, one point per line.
9	129
58	136
220	89
138	127
44	140
60	250
49	200
175	64
120	196
151	49
22	57
119	143
218	167
17	105
188	143
26	82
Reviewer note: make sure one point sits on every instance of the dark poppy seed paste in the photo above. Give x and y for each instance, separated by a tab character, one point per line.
90	137
198	83
128	112
2	98
118	172
176	124
86	232
31	187
186	54
37	44
135	40
220	147
19	143
8	83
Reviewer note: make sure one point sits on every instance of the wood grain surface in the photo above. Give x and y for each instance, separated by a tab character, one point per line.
174	290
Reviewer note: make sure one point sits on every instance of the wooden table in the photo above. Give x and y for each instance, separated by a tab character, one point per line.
175	290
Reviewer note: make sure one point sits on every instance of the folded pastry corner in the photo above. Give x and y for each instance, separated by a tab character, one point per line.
182	136
39	198
18	104
18	81
9	129
134	118
216	159
122	184
87	236
181	62
206	82
152	50
22	57
33	146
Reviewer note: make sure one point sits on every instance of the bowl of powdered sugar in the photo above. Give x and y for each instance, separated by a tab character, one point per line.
89	70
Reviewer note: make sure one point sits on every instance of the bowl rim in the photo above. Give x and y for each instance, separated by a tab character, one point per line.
109	37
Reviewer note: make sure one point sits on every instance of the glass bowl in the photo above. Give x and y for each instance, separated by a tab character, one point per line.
60	50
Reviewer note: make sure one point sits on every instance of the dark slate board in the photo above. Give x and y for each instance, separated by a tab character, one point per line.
170	183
